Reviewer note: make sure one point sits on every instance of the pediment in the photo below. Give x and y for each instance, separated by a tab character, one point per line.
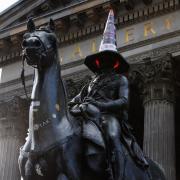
22	10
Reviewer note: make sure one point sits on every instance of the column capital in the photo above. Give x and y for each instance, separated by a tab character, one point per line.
177	75
153	70
74	86
154	78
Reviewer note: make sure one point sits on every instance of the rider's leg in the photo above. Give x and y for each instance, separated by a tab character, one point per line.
69	159
112	128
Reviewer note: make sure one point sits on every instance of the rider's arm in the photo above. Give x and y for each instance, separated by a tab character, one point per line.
123	97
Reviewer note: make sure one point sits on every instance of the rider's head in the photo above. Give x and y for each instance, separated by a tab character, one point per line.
109	67
108	58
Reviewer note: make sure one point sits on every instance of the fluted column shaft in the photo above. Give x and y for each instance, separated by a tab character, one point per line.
12	137
159	130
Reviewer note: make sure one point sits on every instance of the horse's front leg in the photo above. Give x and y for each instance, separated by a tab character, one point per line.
26	168
22	162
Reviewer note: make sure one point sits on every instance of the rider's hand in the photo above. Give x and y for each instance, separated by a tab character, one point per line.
89	110
75	110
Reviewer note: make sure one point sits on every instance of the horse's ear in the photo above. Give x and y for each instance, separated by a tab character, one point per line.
30	25
51	25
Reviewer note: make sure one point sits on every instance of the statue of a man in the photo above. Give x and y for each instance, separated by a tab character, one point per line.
108	95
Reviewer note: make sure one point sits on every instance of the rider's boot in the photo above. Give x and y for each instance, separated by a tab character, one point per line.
113	131
118	159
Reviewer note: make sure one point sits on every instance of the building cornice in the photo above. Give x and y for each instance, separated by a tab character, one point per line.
79	78
55	15
154	54
86	32
16	56
129	18
18	10
30	77
126	19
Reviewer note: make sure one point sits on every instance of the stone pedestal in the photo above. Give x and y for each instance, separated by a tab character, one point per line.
13	125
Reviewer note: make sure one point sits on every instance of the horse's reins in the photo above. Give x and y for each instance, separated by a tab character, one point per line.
23	77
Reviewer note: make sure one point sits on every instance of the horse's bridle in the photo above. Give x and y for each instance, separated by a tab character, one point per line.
45	51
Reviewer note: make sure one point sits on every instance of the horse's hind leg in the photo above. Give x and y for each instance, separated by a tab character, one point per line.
62	177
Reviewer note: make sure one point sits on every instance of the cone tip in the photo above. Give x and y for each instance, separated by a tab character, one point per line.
111	12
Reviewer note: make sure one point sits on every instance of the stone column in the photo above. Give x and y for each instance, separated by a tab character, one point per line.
13	125
159	130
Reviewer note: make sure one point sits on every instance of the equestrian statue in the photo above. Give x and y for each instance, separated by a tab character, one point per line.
89	137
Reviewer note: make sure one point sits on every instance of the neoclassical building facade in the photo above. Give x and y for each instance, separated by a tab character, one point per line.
148	36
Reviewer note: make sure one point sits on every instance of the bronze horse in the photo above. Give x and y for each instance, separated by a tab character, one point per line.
57	147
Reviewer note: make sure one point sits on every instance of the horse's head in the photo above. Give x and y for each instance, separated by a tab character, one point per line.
40	45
